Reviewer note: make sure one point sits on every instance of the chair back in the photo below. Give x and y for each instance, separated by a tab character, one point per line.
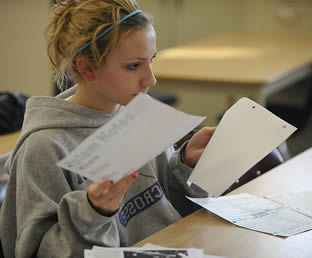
270	161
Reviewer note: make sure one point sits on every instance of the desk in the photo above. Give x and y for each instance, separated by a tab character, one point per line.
210	75
8	141
203	229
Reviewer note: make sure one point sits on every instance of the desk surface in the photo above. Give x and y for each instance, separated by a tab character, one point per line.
203	229
8	141
235	58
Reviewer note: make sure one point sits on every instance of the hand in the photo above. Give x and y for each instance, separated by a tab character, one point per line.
107	196
196	145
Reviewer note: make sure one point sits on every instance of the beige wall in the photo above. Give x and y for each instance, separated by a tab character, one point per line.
181	21
294	16
24	65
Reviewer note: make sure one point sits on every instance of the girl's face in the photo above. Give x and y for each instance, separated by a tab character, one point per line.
128	69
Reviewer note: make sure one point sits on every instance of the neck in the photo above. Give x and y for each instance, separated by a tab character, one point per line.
86	97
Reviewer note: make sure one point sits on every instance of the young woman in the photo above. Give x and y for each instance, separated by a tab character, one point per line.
106	47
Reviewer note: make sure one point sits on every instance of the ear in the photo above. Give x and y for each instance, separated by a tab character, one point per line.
86	68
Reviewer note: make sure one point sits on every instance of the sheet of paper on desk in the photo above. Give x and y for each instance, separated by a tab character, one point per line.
101	252
200	252
258	214
299	201
134	136
140	252
148	250
245	135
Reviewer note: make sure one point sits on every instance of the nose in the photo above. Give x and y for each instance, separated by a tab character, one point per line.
149	78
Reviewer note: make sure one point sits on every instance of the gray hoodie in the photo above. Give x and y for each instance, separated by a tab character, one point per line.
46	212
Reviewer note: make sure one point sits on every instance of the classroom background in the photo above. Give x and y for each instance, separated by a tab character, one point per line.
24	66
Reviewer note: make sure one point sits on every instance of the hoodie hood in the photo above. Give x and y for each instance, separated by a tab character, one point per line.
45	112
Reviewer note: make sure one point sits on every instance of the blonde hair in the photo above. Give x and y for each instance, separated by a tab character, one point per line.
73	23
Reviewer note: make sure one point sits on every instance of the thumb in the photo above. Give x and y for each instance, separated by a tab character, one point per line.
98	189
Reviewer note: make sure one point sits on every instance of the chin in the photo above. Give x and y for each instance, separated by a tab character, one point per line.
126	101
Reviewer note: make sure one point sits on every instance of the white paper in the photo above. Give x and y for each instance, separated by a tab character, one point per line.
245	135
149	250
284	222
134	136
192	252
299	201
198	252
257	213
101	252
88	253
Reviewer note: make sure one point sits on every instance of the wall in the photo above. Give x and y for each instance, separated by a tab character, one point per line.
179	22
278	16
191	20
24	65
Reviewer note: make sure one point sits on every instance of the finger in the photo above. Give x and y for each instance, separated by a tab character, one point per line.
127	181
123	185
199	139
100	189
210	130
205	134
207	131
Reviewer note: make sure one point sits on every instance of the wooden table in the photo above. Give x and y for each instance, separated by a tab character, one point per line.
8	141
211	74
203	229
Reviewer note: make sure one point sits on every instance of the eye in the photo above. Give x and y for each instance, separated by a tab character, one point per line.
133	67
153	58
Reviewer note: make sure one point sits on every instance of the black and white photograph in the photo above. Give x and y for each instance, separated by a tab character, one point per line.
156	254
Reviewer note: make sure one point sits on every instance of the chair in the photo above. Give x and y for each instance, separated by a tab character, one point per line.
297	116
3	176
12	109
2	193
270	161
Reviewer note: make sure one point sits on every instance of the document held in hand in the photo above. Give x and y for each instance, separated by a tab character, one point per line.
135	135
246	133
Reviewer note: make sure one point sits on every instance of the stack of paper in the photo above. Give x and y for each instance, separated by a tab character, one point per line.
283	215
148	251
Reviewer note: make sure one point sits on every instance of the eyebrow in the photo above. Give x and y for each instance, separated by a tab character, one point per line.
141	58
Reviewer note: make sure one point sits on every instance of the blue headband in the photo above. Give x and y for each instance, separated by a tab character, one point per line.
108	30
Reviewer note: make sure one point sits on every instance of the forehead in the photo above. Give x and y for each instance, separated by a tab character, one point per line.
141	42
